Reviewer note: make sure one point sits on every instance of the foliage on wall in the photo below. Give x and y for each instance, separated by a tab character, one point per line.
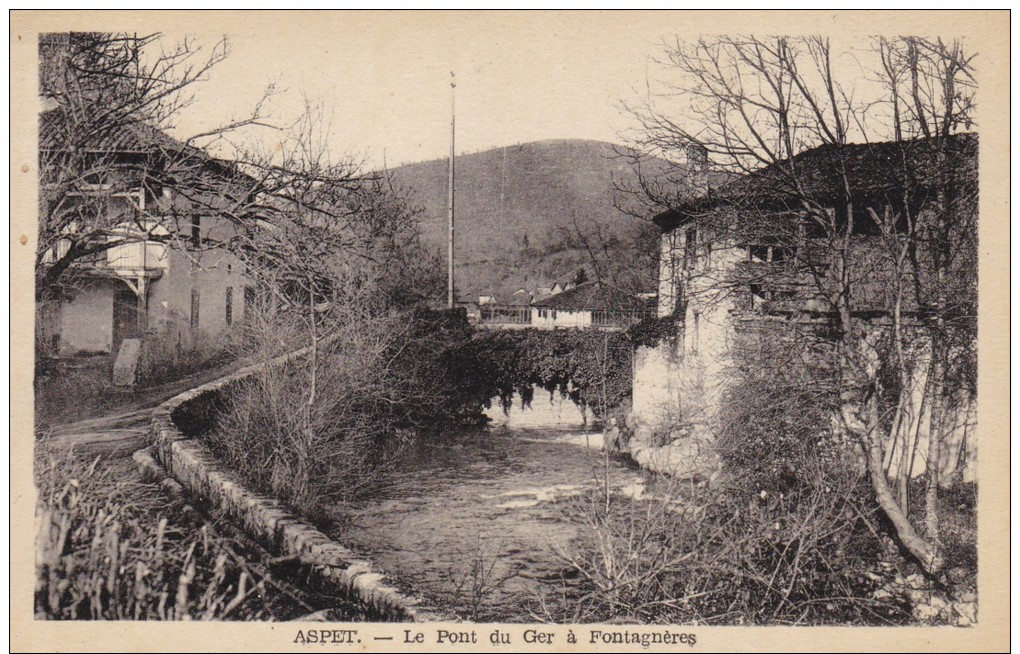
591	368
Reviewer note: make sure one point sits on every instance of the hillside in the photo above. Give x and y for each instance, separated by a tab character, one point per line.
525	214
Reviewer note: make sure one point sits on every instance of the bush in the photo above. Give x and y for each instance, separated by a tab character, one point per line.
314	432
699	554
787	534
652	331
111	550
815	535
591	367
315	453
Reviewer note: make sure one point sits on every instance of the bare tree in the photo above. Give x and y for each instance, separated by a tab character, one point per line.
106	162
781	131
625	259
336	262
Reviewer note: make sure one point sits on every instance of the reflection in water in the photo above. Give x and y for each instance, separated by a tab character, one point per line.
472	520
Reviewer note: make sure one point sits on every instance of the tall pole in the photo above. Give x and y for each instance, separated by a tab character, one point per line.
453	135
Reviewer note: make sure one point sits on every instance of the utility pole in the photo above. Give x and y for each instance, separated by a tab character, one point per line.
453	136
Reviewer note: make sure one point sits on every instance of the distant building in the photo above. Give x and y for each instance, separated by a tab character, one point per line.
592	304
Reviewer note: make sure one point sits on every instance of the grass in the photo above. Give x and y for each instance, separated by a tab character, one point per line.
109	548
957	514
87	379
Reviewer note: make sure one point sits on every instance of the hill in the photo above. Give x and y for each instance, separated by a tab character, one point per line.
533	212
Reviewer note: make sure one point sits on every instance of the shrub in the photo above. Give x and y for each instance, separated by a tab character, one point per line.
652	331
313	453
314	432
699	554
787	533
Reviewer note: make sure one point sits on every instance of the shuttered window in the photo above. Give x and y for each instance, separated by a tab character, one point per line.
194	308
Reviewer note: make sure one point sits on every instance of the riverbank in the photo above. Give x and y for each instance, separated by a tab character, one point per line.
98	519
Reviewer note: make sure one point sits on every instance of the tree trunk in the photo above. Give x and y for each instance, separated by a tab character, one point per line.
931	495
910	443
922	550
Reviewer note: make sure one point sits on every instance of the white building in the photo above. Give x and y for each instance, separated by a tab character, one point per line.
591	304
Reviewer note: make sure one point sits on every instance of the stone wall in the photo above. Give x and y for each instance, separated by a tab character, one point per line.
679	387
218	489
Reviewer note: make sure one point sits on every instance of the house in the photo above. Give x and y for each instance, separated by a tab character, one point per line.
156	262
748	256
591	304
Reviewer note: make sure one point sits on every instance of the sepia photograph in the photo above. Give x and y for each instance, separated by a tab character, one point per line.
554	330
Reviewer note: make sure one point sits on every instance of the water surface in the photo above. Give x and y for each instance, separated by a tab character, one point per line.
473	520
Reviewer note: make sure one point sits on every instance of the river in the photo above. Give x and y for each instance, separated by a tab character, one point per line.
473	521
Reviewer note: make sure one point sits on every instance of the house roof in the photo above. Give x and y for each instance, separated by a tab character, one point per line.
517	300
127	137
592	296
875	169
126	134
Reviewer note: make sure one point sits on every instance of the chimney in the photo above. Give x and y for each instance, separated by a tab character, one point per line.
697	161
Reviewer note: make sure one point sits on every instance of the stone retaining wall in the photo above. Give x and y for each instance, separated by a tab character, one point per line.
219	489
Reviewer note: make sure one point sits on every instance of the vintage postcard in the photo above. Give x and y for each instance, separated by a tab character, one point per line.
542	330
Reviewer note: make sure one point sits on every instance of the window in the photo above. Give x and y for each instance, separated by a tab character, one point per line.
767	253
758	296
194	308
228	311
196	231
691	243
695	333
249	300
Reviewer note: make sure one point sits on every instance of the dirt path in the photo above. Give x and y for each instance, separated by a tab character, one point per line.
119	434
123	430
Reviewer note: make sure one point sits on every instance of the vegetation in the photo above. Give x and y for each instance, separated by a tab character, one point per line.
108	95
803	526
652	331
807	522
592	368
167	357
112	549
379	378
913	226
787	534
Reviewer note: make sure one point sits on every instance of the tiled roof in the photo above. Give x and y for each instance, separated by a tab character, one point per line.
129	137
875	169
124	135
592	296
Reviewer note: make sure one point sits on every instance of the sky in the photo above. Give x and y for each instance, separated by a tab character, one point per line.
385	78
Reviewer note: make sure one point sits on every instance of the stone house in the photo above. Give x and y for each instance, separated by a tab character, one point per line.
745	259
160	267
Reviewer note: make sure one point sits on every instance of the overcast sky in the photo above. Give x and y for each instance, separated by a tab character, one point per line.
385	77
